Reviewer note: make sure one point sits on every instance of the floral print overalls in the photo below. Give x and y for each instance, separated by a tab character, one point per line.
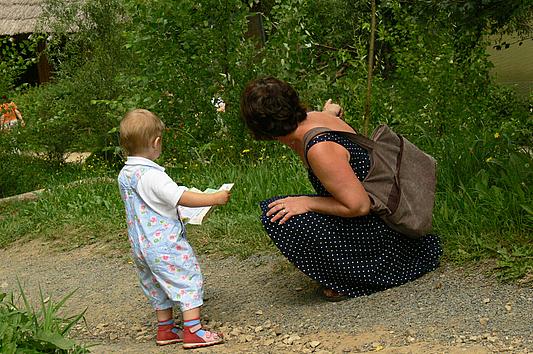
168	270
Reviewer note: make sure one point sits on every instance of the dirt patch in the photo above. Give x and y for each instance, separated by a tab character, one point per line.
263	305
76	157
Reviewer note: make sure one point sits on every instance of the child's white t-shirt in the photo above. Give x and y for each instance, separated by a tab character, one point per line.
155	187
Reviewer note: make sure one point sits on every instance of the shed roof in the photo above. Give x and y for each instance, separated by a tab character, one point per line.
19	16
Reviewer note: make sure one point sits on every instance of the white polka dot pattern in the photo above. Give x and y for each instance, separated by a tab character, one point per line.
354	256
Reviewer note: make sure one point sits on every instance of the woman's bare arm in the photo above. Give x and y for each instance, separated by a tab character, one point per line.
330	163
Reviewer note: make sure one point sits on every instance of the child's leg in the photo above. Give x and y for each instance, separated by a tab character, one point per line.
191	314
193	334
176	278
167	332
164	315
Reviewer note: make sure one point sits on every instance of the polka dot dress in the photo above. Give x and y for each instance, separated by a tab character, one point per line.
354	256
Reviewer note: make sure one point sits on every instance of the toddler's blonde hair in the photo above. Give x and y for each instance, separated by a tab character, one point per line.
138	129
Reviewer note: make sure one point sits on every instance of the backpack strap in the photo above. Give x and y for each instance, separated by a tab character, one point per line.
357	138
310	135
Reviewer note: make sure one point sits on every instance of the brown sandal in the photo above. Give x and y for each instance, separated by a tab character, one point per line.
331	295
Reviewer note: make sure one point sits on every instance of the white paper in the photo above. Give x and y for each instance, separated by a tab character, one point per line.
195	216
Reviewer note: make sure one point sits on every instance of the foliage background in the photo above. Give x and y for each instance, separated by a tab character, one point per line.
431	84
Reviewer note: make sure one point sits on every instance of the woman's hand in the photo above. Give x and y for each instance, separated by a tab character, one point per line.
333	108
284	209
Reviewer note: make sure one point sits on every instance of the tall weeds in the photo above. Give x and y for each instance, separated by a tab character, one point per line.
28	329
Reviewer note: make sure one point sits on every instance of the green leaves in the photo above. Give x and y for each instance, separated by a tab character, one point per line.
30	330
16	56
51	341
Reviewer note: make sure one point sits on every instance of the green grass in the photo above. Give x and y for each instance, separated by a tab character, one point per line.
91	211
485	201
235	229
22	173
75	214
482	212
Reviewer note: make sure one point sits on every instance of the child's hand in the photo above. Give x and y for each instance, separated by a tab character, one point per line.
221	198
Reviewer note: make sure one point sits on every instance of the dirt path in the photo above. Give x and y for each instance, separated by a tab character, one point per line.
263	305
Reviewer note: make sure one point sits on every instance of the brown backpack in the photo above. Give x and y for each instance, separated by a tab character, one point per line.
401	180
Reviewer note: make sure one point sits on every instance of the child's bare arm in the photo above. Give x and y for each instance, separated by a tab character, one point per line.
193	199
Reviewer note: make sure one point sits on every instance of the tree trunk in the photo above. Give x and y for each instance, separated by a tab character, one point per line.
370	69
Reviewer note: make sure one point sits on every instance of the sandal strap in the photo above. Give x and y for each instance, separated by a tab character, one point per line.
195	328
176	329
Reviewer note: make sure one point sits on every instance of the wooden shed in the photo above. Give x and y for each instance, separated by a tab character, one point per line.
18	20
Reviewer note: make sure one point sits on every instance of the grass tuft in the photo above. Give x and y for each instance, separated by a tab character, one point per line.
28	329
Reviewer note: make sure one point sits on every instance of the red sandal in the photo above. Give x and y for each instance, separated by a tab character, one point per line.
169	334
191	338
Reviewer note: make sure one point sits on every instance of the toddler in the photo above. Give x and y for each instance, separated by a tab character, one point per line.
168	270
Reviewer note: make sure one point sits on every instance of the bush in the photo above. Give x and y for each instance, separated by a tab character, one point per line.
17	56
20	174
62	116
189	54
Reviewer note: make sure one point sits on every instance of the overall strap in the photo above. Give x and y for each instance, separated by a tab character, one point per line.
133	180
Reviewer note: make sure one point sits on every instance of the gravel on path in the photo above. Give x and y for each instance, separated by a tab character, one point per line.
264	305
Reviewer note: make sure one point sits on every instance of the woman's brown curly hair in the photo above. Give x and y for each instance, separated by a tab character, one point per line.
270	108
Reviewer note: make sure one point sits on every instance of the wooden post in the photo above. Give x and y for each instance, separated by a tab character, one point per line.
43	66
370	69
255	25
